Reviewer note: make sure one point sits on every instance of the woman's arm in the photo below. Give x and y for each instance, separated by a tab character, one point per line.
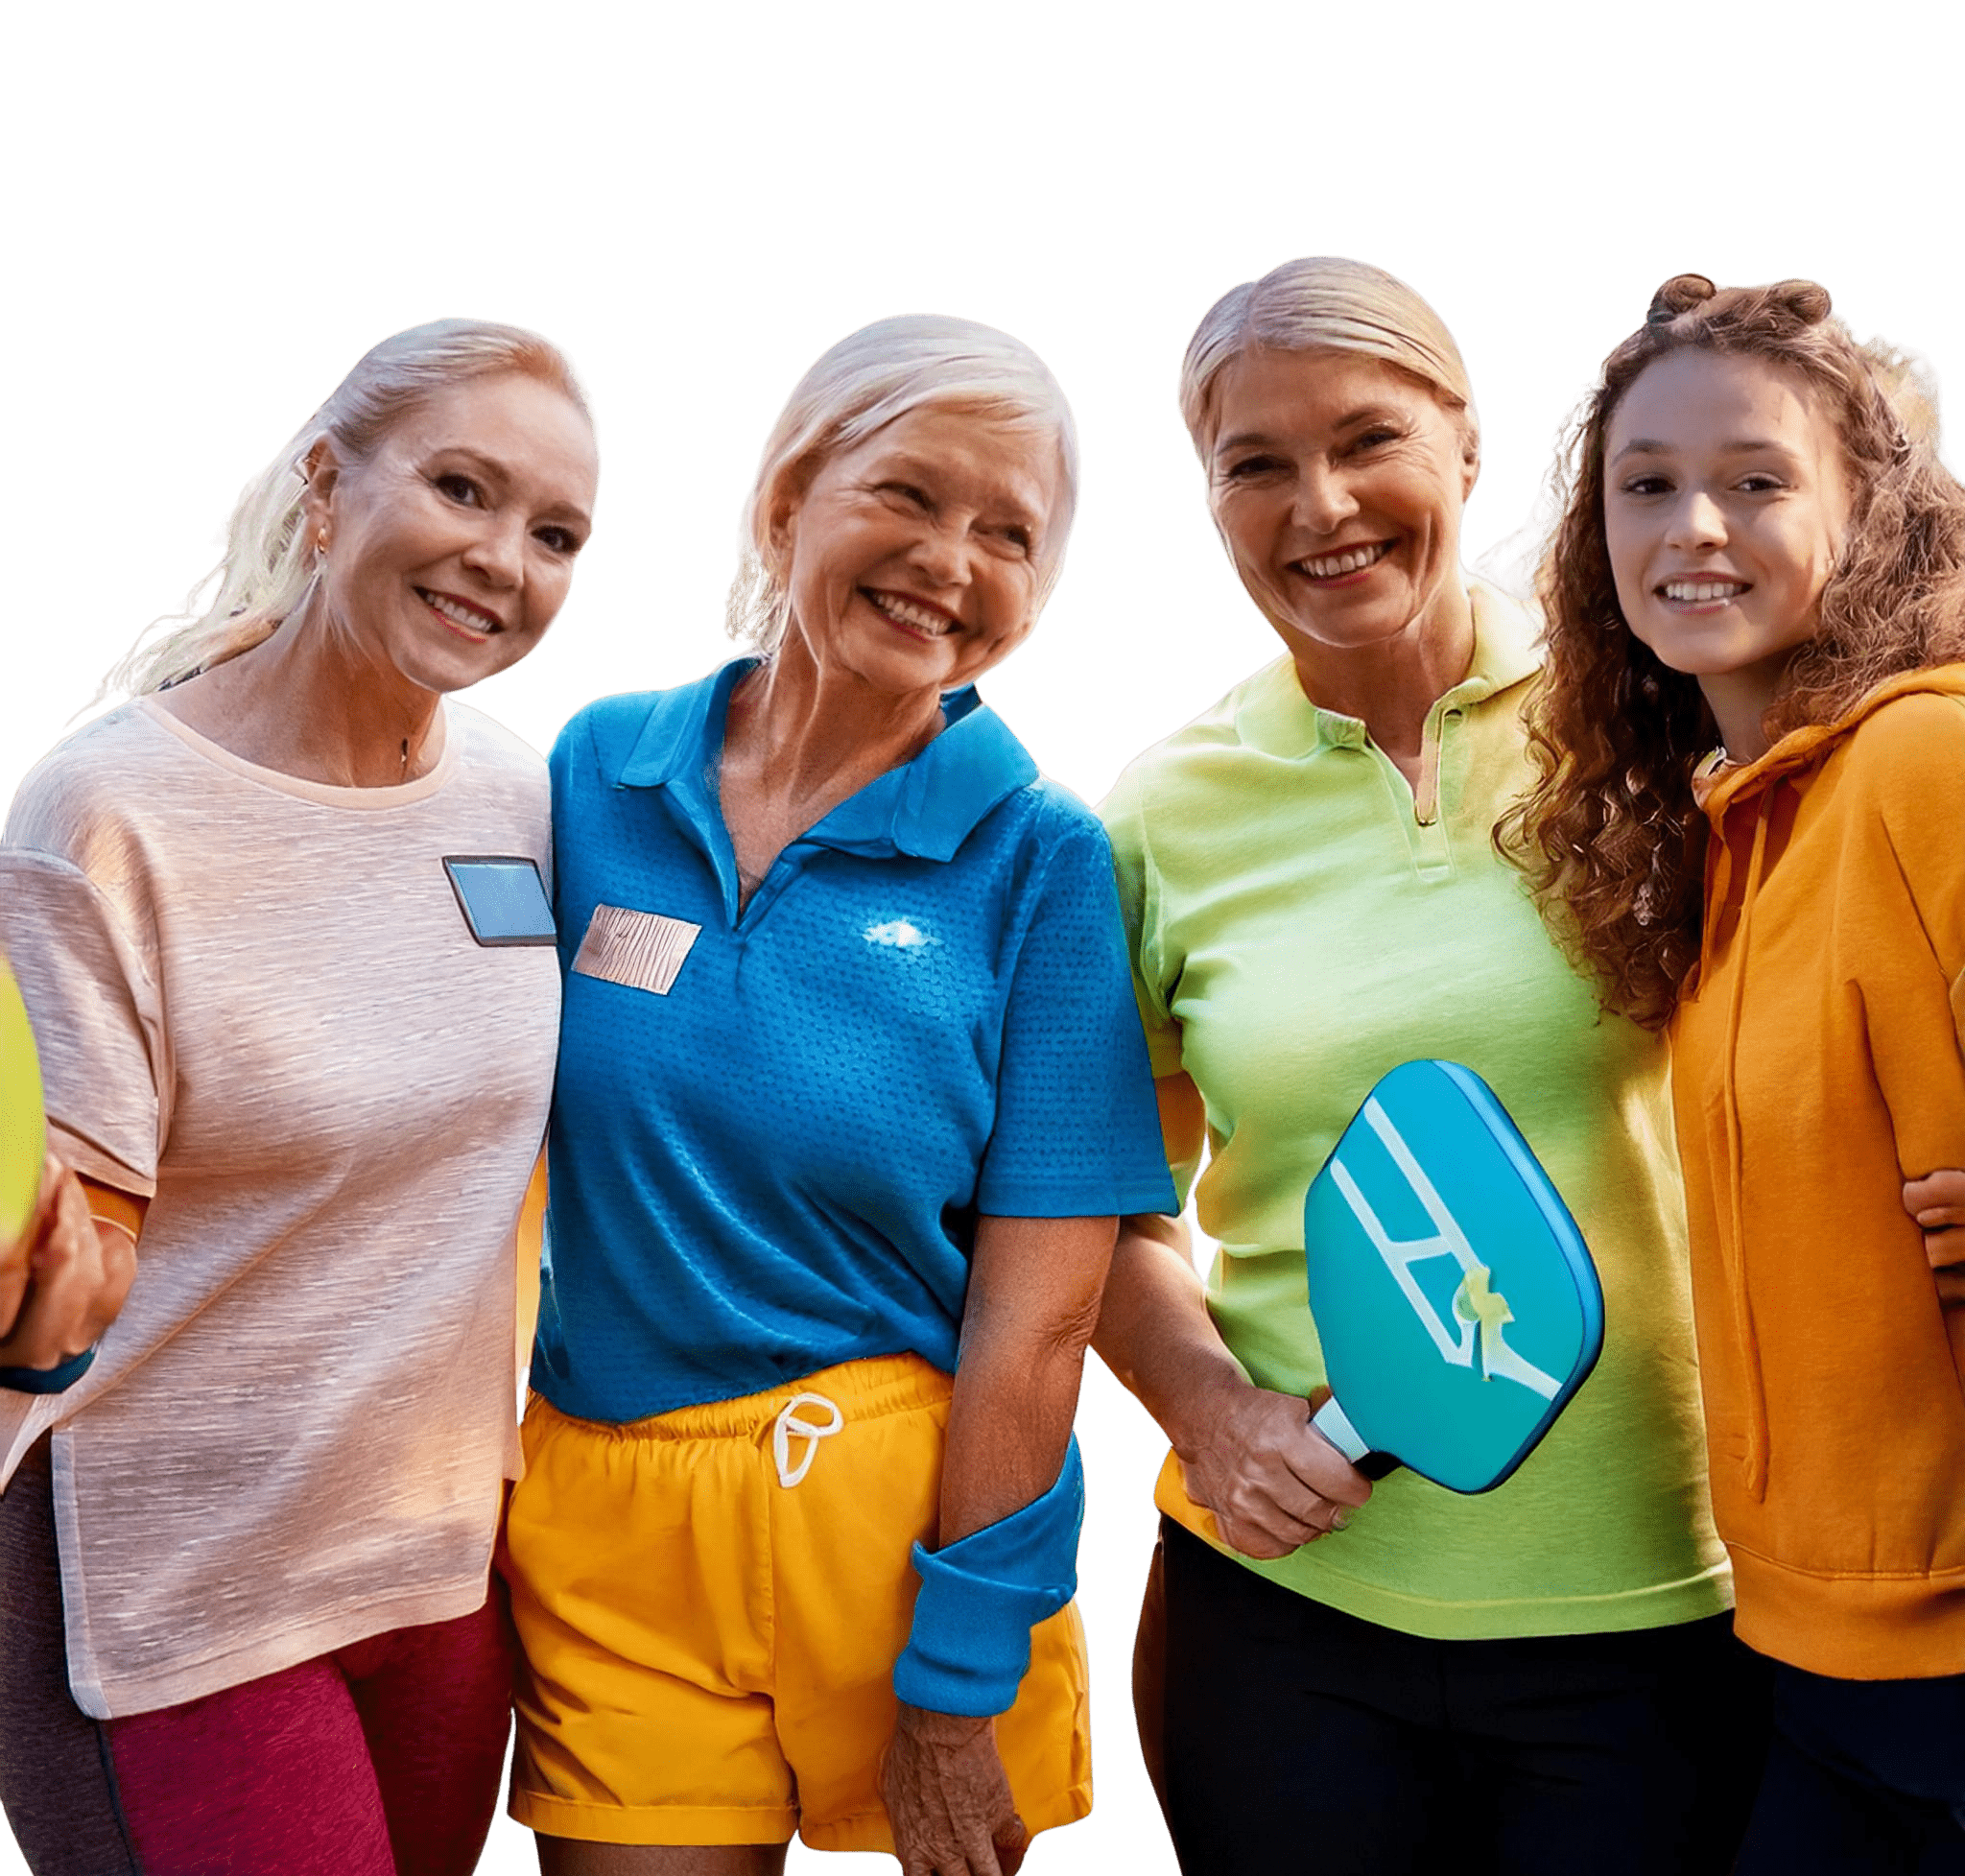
1248	1455
1033	1298
67	1281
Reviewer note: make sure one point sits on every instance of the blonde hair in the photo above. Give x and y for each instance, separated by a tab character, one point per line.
869	379
267	567
1324	303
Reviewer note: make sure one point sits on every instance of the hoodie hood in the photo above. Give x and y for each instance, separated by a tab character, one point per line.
1800	750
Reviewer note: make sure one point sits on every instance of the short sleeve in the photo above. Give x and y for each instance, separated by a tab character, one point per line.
96	1015
1132	869
1076	1132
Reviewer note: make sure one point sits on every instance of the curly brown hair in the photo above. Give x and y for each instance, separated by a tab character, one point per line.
1610	838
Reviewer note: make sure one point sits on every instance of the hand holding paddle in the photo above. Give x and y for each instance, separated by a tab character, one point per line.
1272	1481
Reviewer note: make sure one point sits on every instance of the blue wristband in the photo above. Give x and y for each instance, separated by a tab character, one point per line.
982	1596
47	1381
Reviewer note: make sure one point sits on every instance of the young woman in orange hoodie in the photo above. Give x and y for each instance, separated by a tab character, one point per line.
1754	554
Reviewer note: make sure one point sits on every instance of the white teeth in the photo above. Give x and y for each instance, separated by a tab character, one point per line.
1702	592
1330	565
905	612
464	616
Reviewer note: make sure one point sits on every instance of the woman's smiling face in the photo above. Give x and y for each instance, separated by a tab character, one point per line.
916	559
1726	505
1337	483
448	551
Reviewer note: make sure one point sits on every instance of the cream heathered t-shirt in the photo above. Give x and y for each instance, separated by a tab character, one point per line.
257	1001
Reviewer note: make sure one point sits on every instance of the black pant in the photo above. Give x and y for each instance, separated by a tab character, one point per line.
1864	1779
1283	1736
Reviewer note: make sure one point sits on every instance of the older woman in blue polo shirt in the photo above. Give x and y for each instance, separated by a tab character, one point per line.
851	1091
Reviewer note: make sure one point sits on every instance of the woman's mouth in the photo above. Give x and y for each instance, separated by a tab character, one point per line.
1702	592
472	620
911	615
1345	564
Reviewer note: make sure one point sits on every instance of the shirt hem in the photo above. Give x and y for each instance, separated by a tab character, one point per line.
117	1697
1853	1626
1595	1612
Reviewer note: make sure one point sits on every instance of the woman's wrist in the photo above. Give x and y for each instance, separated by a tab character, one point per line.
980	1596
1198	1396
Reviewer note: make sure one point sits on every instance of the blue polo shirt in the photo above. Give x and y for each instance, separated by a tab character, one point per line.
773	1132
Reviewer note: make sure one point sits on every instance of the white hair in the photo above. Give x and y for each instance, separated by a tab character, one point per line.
1324	303
268	567
865	382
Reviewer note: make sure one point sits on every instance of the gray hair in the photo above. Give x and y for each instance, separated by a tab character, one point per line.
1324	303
865	382
266	568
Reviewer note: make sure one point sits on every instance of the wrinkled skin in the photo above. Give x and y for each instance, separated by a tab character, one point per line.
949	1801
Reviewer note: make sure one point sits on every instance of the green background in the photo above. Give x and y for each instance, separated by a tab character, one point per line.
213	213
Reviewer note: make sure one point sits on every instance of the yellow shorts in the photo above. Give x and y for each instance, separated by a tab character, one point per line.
710	1603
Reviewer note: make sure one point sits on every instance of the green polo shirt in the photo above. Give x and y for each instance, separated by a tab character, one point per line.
1299	925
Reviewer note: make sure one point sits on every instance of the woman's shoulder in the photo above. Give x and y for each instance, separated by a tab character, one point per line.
104	771
1179	778
1909	748
608	731
487	744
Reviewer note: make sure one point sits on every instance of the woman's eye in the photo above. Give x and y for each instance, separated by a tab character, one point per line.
456	488
1759	483
1645	486
904	492
1247	469
560	541
1372	439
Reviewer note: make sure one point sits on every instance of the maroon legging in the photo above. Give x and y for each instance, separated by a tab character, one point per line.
381	1759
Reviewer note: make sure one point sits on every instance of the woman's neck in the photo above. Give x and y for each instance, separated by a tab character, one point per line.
306	703
1392	685
801	729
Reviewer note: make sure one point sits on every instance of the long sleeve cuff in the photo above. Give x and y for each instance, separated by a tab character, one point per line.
981	1597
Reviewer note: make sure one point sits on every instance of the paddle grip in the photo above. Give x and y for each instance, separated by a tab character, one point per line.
1331	1420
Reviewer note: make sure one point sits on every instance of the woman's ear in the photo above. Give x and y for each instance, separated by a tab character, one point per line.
322	469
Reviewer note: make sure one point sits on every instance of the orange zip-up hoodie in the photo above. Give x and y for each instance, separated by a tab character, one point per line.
1816	1066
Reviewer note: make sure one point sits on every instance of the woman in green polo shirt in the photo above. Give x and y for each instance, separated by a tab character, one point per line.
1390	1678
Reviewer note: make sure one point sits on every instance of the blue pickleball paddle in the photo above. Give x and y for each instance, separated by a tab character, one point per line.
23	1130
1454	1298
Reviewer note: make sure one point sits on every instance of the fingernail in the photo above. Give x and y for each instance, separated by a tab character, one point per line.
1339	1518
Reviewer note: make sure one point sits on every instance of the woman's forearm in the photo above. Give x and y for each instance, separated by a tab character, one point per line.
1154	1331
1033	1298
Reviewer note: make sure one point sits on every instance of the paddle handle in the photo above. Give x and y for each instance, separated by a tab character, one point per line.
1332	1421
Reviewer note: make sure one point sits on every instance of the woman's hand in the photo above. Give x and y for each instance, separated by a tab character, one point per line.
1937	1202
948	1799
1273	1483
67	1279
1247	1455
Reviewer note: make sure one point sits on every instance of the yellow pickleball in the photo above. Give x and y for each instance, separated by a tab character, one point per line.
23	1128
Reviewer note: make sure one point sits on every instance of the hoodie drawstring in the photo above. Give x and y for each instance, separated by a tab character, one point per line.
1756	1463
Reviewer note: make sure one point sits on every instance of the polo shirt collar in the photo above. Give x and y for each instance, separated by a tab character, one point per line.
1276	718
926	807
